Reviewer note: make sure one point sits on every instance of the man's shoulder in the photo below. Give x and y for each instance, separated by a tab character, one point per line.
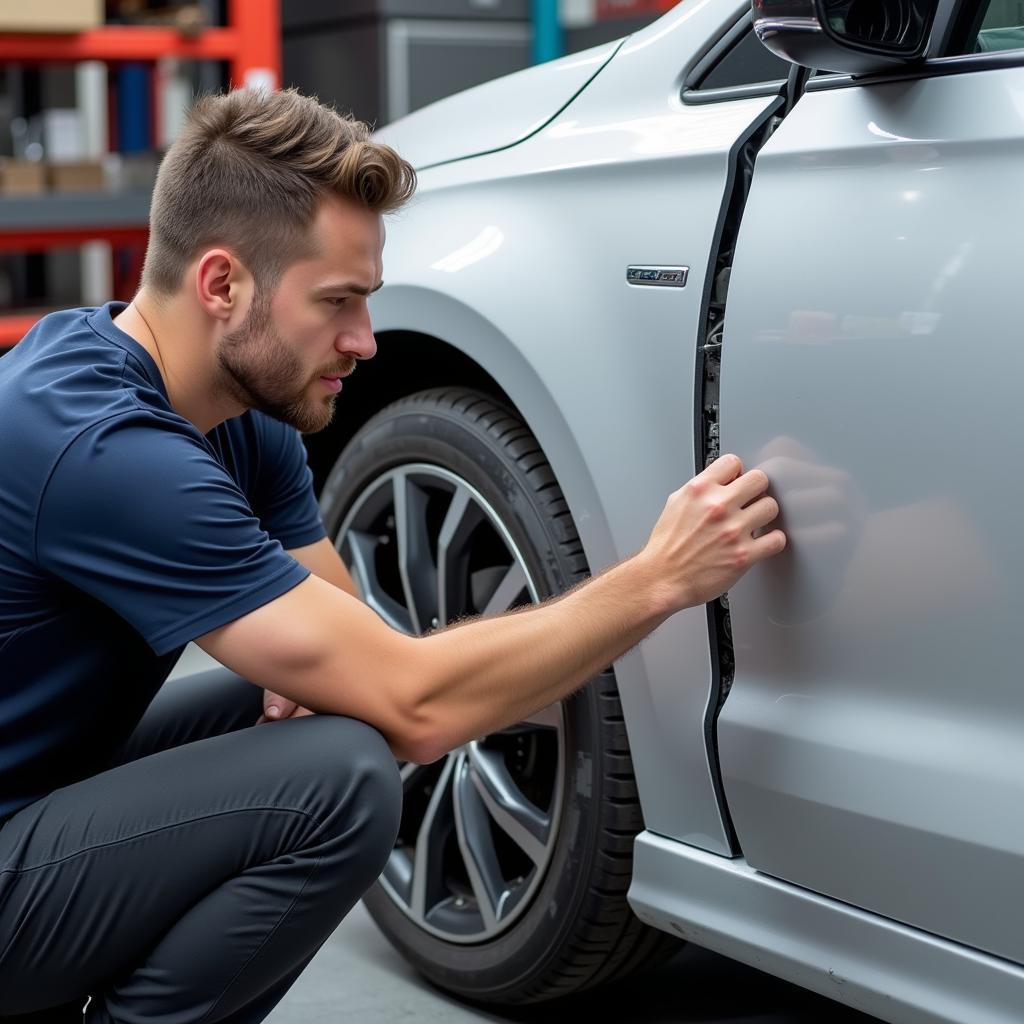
75	365
67	386
64	373
62	332
65	411
52	386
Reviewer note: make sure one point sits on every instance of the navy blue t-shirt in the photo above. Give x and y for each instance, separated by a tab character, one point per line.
124	533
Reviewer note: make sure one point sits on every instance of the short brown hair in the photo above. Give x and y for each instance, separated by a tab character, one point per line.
248	171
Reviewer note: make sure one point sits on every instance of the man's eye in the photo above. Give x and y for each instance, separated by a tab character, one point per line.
337	302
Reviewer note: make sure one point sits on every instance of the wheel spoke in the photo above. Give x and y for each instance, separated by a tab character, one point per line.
549	717
524	823
361	547
477	846
415	563
511	586
430	841
398	873
410	773
460	520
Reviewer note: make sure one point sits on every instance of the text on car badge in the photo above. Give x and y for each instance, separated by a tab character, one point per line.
664	277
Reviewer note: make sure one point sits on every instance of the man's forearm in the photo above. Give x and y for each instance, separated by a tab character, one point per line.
486	674
429	694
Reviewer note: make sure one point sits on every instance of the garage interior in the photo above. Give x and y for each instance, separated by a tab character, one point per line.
92	92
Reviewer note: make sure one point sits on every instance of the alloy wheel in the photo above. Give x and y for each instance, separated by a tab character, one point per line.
478	826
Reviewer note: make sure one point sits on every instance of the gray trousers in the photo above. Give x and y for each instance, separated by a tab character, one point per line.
193	881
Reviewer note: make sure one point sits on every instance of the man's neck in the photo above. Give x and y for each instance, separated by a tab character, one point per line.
184	349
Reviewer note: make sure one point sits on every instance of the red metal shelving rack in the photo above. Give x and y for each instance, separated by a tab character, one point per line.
250	44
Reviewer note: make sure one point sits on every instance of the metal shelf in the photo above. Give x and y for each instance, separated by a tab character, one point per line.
38	223
117	43
58	210
251	46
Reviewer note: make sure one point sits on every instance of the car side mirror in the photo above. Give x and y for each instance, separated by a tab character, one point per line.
853	37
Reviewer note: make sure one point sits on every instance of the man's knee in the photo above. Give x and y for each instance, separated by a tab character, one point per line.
361	782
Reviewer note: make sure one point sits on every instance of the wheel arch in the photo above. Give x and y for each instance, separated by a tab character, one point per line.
428	339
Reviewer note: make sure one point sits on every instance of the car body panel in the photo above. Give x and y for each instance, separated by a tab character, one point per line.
857	958
872	747
602	371
496	114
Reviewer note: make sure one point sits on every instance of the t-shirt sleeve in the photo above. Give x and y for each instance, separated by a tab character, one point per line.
147	521
283	496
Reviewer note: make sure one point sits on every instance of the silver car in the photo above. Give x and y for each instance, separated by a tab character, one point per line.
794	233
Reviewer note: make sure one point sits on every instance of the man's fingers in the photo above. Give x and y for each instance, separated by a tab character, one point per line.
768	545
275	706
723	470
747	488
760	513
290	710
281	708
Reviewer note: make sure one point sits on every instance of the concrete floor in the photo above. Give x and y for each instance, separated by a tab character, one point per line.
357	976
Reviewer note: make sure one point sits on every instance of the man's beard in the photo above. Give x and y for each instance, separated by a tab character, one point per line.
261	373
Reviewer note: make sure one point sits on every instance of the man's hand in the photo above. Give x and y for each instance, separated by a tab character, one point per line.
704	540
276	708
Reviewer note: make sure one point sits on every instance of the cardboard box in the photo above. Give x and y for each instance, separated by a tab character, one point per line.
22	178
79	176
63	135
50	16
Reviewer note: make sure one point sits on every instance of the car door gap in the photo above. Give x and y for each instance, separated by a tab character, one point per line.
706	405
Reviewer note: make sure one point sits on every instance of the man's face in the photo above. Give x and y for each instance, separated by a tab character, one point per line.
294	346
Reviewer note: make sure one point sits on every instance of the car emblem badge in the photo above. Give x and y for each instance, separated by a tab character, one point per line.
661	277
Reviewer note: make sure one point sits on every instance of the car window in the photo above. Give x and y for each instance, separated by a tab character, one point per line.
1001	28
746	63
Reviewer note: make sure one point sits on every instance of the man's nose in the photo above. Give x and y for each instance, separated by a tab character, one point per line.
358	341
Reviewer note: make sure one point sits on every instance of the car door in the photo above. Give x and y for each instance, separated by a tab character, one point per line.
872	746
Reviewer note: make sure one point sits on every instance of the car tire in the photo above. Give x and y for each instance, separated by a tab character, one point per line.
572	928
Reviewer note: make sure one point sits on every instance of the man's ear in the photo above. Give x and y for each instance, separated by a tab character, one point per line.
222	283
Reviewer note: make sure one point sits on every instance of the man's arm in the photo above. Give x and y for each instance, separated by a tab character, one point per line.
329	652
321	559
